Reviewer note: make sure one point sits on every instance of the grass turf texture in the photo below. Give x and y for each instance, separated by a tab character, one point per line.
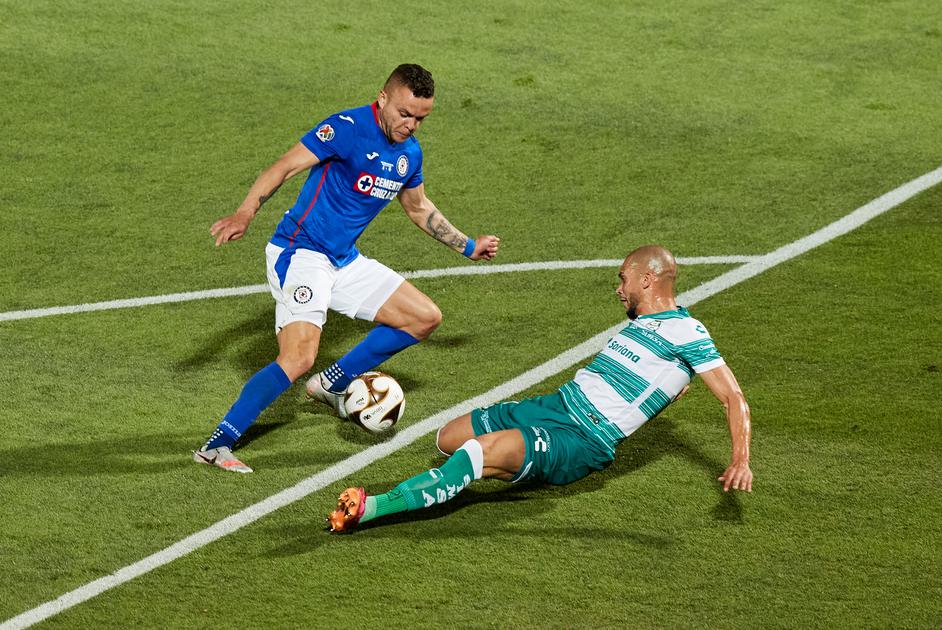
708	126
132	128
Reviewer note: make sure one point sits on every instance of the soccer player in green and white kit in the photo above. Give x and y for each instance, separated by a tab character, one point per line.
562	437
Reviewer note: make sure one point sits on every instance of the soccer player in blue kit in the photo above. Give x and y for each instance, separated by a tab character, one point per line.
359	160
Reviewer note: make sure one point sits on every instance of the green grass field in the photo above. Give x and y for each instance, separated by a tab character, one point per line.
574	132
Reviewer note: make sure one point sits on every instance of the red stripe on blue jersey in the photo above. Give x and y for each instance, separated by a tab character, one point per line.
313	201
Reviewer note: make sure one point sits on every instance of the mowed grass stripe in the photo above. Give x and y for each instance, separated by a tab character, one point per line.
520	383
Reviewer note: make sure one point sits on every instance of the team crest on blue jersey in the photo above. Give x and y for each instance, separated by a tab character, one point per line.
364	183
303	294
402	165
325	133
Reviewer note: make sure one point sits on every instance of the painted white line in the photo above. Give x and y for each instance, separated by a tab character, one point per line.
840	227
567	264
469	270
412	433
133	302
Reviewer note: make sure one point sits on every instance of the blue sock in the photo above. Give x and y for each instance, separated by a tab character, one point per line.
260	391
381	343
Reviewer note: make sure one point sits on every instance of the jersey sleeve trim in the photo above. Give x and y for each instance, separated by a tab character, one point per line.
316	147
333	137
415	181
709	365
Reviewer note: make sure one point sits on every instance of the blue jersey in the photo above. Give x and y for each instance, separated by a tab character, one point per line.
359	173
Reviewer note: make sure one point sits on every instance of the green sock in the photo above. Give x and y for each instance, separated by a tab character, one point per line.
433	486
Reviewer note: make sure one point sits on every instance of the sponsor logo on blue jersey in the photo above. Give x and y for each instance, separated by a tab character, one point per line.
359	171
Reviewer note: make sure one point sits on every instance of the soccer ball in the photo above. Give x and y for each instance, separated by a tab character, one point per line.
374	401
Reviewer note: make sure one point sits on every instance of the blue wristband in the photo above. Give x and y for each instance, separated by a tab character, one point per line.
469	248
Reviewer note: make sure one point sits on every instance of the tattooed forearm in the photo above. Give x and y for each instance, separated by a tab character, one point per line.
262	199
439	227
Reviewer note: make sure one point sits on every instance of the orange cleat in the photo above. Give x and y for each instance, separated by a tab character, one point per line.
350	507
221	457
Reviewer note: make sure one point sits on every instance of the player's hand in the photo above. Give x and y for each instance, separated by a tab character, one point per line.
229	228
738	477
681	393
485	247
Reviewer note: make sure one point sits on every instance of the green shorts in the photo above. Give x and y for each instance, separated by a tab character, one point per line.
558	450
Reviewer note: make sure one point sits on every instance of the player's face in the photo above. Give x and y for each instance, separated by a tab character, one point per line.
401	112
628	290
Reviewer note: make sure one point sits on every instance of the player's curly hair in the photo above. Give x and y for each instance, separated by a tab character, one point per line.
414	77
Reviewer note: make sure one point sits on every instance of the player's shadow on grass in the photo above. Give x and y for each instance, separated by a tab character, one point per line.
258	430
143	454
529	502
257	346
657	439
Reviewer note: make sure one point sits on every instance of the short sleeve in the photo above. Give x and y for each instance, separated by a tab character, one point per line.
332	138
700	353
416	179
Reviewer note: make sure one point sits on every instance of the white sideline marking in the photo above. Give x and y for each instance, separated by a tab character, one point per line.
422	273
411	433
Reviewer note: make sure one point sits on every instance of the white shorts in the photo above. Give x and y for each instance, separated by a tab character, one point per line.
305	284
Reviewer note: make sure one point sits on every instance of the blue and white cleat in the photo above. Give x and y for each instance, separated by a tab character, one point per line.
316	390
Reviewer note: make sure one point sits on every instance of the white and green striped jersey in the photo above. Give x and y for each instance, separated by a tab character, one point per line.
638	373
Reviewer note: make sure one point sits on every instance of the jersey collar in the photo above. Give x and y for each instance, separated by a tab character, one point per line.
680	310
375	107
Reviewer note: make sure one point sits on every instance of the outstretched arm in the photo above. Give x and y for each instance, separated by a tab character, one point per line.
424	214
232	227
724	386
